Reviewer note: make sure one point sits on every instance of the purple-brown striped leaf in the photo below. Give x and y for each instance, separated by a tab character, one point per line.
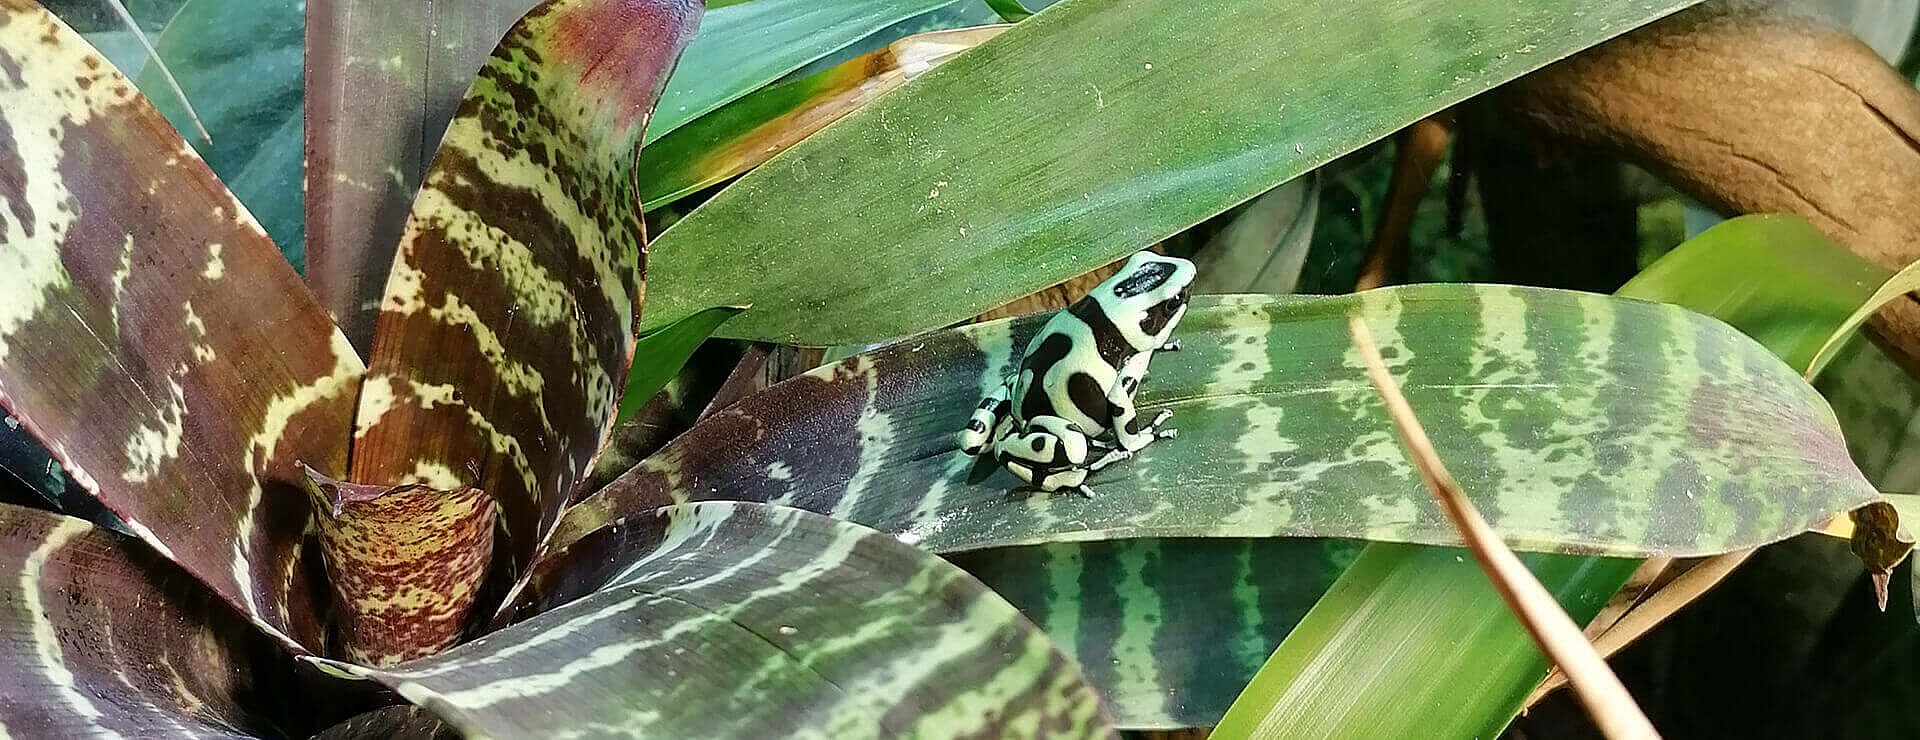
98	637
382	80
405	564
508	322
725	619
150	333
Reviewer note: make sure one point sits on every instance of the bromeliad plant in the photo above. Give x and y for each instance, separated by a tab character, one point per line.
403	518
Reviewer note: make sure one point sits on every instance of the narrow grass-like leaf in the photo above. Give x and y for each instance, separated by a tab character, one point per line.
742	47
1708	442
134	342
729	619
660	354
1903	282
382	80
508	324
1183	114
1010	10
100	637
753	129
1169	630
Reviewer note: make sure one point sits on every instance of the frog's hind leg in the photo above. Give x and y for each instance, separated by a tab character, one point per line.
992	420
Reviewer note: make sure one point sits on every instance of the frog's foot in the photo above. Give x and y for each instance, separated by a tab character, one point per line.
1171	346
1083	490
1160	418
1110	458
1167	433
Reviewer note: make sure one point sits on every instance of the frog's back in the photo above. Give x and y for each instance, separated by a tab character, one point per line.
1070	367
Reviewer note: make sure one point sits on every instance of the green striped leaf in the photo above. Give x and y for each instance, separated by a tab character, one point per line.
1181	115
99	637
745	620
134	342
1169	630
508	324
1772	277
1582	423
742	47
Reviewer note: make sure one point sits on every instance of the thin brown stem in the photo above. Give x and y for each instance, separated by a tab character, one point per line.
1606	700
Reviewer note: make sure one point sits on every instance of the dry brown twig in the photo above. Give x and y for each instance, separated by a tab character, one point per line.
1613	710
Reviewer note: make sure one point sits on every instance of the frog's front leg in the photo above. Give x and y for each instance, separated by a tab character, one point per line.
1120	403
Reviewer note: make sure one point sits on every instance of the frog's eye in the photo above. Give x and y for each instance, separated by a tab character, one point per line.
1150	275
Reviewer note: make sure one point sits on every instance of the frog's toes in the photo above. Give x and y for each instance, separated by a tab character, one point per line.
1161	418
1171	346
1083	490
1167	433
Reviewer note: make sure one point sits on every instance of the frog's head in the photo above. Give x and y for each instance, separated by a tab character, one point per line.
1150	292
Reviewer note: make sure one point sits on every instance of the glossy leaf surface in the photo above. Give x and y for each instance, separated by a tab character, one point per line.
745	46
134	342
98	636
1182	115
1706	441
508	324
661	354
730	619
751	130
256	126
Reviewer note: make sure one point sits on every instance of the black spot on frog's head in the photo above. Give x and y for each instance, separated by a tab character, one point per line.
1159	315
1148	277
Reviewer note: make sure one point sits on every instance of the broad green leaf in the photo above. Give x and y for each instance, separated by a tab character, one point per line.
1181	115
658	356
134	339
101	637
239	63
1264	247
1708	442
1778	281
753	129
1774	277
383	80
1412	642
507	329
729	619
1169	630
742	47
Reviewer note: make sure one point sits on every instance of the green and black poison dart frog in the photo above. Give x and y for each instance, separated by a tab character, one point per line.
1072	395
